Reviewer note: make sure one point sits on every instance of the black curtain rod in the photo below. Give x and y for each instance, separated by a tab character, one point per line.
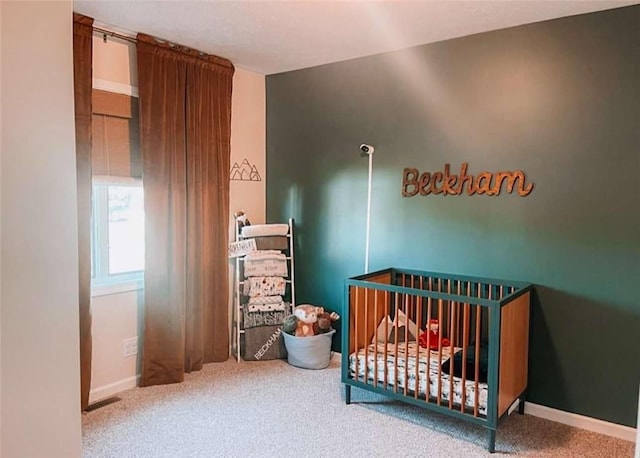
111	33
105	32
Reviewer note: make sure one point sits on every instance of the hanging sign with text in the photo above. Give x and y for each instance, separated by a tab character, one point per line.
242	248
445	183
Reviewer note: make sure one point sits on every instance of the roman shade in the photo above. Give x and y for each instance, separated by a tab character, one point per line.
115	135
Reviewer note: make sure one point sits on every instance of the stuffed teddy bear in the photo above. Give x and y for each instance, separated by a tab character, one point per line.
433	334
242	219
324	320
306	315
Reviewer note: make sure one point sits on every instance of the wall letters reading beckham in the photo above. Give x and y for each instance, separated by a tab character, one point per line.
414	182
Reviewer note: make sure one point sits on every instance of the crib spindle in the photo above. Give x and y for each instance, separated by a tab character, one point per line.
406	343
355	332
428	371
395	347
367	293
456	327
375	340
465	344
452	319
386	333
440	310
477	360
419	326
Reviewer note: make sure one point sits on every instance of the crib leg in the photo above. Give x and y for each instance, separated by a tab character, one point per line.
491	440
347	394
521	404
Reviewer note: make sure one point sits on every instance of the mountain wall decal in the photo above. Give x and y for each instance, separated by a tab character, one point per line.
244	172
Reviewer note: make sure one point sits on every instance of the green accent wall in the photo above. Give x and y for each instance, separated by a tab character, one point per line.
559	100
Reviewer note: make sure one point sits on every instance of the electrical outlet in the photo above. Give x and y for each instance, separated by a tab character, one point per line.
130	347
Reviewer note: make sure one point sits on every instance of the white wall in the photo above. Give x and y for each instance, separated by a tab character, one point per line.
39	271
248	141
117	316
114	65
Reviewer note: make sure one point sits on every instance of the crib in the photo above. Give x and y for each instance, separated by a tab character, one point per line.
450	343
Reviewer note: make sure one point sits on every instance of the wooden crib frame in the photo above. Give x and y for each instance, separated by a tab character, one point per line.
468	308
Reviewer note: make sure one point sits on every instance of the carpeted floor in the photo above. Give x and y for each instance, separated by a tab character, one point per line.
272	409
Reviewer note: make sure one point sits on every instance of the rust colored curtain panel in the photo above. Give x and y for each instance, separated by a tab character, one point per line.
82	73
185	113
208	117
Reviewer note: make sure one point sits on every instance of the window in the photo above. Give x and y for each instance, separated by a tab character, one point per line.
117	238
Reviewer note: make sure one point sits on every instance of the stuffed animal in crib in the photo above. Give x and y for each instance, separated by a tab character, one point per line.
307	317
433	334
323	325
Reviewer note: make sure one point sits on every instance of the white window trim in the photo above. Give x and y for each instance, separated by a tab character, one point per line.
116	181
107	289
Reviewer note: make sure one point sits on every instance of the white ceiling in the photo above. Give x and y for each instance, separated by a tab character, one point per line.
272	37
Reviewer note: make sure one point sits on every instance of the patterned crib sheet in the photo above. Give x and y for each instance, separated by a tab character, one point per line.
410	362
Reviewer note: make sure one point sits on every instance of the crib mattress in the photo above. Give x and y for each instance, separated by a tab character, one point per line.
410	362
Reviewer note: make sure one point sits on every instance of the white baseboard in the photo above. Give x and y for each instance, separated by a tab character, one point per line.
106	391
580	421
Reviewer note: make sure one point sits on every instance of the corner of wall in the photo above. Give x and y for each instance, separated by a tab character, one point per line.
247	189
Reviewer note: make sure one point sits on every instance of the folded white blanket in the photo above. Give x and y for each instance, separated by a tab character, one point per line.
266	267
260	230
264	286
